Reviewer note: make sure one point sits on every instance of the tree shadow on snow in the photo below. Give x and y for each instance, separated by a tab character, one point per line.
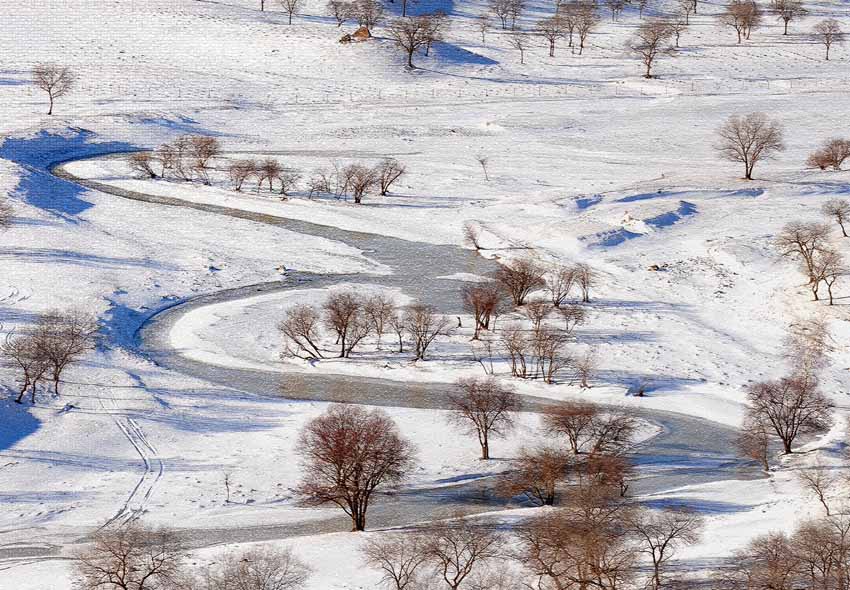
16	423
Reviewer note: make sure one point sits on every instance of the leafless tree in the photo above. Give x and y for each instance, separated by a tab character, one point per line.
340	10
518	347
396	322
537	473
261	568
573	316
660	533
268	170
519	41
559	282
787	10
749	139
483	25
300	329
368	13
548	347
829	267
132	557
551	29
167	156
520	277
822	549
803	241
361	179
502	9
819	482
615	7
379	311
142	162
5	214
650	40
424	325
347	454
585	278
456	548
743	16
203	150
678	23
484	407
63	338
791	406
686	8
389	170
753	441
572	420
25	353
828	33
481	300
768	561
400	557
515	10
536	312
405	4
839	210
585	369
437	23
832	154
288	181
410	34
55	80
344	315
586	19
290	7
807	346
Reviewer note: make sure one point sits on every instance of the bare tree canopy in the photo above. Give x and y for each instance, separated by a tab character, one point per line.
839	210
650	41
456	548
424	325
64	337
290	7
347	454
484	407
537	473
791	406
520	277
660	533
831	154
828	32
399	557
260	568
787	10
743	16
301	333
345	316
749	139
132	557
55	80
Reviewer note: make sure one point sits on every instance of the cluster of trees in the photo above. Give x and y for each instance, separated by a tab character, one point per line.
351	318
809	244
366	13
42	353
792	406
139	557
815	555
572	19
538	353
189	157
831	154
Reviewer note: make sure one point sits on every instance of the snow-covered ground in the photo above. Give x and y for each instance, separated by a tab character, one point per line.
587	161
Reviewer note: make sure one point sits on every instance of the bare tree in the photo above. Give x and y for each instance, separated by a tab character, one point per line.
515	10
502	9
288	181
484	407
261	568
807	346
551	29
400	558
340	10
481	300
741	15
483	25
822	549
518	347
396	322
660	533
361	179
803	241
839	210
410	34
519	41
787	10
616	7
300	329
768	561
456	548
25	354
368	13
203	149
424	325
559	282
347	454
405	4
832	154
537	473
55	80
586	19
828	33
686	9
819	482
585	368
437	23
829	267
483	161
379	311
548	347
573	316
678	23
142	162
650	40
344	316
5	214
290	7
64	337
389	170
572	420
791	406
749	139
132	557
519	277
268	170
753	441
585	278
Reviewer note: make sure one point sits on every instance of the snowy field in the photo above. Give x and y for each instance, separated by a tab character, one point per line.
587	161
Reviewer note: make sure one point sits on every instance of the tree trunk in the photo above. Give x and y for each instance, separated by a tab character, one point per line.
50	110
786	28
786	445
290	18
485	447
